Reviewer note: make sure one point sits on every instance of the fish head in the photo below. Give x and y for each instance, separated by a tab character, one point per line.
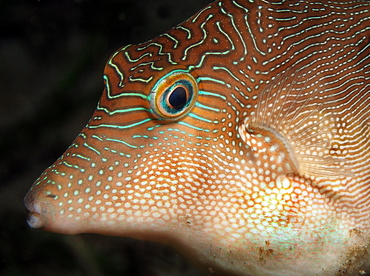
153	156
224	140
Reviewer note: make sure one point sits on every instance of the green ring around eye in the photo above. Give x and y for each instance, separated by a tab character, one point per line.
174	95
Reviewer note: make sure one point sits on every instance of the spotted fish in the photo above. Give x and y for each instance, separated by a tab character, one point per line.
241	137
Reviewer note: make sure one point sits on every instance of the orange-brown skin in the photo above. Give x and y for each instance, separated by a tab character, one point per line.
241	137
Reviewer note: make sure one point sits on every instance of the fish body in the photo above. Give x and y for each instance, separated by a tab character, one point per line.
240	137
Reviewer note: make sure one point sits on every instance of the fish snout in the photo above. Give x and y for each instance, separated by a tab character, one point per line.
44	214
34	208
40	203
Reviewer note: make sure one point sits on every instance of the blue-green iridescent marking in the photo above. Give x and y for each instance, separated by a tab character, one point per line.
226	35
259	22
154	127
213	80
293	18
115	66
199	13
56	172
139	58
186	30
82	157
97	137
201	118
126	110
255	60
151	63
124	154
160	46
122	142
194	127
206	107
69	165
140	79
246	11
124	94
172	38
212	53
246	75
235	28
113	140
241	92
253	38
143	136
201	41
238	101
230	73
120	126
91	148
211	94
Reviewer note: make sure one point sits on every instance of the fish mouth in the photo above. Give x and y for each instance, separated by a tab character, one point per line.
34	218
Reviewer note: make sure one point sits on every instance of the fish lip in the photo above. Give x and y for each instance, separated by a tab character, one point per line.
34	218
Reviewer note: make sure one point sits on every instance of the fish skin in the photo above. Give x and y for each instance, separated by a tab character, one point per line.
264	170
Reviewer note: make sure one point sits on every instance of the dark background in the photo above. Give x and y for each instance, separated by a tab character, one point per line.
52	56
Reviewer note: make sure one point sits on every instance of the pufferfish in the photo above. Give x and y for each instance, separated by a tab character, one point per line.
239	137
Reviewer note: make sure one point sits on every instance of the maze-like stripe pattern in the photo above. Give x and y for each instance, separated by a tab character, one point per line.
241	135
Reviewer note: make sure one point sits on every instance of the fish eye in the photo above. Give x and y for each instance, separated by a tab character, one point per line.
177	98
174	95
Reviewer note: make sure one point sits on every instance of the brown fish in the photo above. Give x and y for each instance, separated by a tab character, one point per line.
240	137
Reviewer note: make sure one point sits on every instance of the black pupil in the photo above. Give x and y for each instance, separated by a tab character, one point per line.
177	99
